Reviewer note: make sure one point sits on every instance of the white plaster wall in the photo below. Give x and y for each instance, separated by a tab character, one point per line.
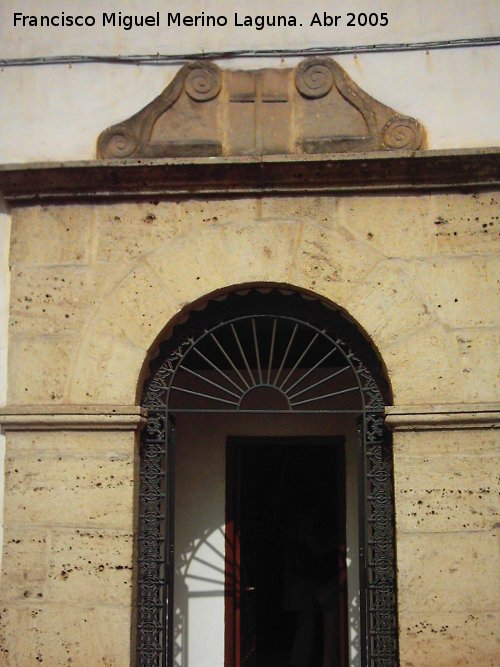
200	522
57	112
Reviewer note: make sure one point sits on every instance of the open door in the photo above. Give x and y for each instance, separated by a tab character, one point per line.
285	556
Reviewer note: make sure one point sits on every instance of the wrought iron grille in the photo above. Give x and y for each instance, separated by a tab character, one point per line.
250	353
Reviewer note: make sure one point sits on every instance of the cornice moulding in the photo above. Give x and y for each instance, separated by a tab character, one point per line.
72	417
442	417
273	174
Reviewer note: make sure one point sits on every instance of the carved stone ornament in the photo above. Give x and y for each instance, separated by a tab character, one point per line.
314	108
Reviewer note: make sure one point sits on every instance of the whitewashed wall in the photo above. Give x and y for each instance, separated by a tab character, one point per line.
56	112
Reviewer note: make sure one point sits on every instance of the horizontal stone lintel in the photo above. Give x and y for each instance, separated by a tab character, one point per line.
72	417
440	417
274	174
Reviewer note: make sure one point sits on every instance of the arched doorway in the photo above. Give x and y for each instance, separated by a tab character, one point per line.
296	378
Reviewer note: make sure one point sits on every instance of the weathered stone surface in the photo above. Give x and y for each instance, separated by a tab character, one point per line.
479	359
329	260
394	225
90	567
220	255
308	209
444	572
449	639
387	305
64	636
465	224
202	212
51	235
314	108
390	262
125	232
51	300
446	492
469	442
77	489
106	370
39	367
425	225
24	563
462	290
136	310
72	443
319	243
423	368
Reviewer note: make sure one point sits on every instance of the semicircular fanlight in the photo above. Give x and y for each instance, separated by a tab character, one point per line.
297	366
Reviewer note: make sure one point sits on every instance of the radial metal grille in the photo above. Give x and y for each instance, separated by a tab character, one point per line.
268	361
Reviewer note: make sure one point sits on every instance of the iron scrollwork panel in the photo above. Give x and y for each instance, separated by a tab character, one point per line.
379	550
155	543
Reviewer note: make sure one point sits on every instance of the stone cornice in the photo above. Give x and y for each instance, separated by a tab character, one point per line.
440	417
339	173
72	417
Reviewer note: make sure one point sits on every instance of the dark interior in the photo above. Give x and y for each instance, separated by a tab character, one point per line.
284	485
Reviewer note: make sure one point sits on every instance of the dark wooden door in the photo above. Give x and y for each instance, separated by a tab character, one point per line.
263	495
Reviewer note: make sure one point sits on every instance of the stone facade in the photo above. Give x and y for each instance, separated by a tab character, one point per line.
95	286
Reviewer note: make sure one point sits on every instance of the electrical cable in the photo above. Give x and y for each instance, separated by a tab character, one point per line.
178	59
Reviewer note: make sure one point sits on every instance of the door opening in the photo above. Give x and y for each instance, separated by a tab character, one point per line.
279	355
285	562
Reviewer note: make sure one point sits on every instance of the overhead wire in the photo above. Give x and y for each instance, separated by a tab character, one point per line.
181	58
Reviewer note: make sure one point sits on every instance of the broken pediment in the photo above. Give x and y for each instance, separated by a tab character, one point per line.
208	111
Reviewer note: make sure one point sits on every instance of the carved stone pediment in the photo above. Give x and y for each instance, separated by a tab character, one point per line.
313	108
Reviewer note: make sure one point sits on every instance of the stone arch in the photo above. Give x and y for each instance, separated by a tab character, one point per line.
313	255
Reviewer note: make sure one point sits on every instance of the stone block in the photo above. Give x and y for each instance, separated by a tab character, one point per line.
222	255
394	225
455	442
128	231
479	359
72	443
65	636
51	235
39	368
449	639
106	370
465	224
196	214
312	209
423	368
464	292
90	567
51	300
331	262
446	492
448	572
24	563
136	310
387	305
51	488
